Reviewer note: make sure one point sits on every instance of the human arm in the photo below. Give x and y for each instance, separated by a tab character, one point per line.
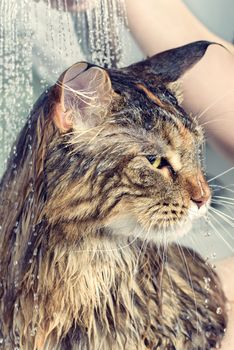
208	88
158	25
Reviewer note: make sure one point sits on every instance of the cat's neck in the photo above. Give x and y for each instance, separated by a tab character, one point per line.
93	282
92	271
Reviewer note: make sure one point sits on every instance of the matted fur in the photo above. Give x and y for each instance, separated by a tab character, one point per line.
84	217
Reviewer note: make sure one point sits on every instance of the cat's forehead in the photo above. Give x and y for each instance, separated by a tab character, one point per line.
158	125
150	102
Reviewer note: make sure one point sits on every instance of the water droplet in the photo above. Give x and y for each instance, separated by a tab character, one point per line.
33	332
208	234
228	306
16	306
218	310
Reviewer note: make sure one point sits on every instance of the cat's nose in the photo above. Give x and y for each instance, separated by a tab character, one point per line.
199	190
201	201
202	196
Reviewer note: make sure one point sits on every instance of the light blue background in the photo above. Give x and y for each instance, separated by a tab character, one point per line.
218	15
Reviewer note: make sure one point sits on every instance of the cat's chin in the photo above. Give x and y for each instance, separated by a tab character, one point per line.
128	226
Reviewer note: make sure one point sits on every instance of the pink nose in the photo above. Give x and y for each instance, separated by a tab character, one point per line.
198	189
200	201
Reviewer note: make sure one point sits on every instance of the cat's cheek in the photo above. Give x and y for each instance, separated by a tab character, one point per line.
162	237
124	225
181	229
127	226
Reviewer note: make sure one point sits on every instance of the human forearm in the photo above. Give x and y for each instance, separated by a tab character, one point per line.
208	88
209	94
158	25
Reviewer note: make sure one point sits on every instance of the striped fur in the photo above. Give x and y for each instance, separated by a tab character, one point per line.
86	220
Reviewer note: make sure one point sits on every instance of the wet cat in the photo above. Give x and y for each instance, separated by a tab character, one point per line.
104	175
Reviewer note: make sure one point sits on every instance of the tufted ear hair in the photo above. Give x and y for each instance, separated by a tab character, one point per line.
170	65
85	94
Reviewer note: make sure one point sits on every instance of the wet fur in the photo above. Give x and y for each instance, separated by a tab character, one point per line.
68	280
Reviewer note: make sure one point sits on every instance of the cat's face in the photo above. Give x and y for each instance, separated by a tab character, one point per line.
131	164
160	189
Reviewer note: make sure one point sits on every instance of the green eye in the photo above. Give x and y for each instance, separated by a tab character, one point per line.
154	161
160	163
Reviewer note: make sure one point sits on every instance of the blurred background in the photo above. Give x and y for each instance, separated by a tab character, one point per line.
38	41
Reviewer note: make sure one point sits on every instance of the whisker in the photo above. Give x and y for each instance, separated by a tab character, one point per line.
223	173
141	252
221	188
163	260
214	103
224	216
219	200
225	206
223	203
112	249
190	282
225	112
219	235
223	197
224	187
173	294
213	121
221	225
144	244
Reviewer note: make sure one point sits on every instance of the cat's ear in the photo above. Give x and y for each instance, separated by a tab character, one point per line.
170	65
85	95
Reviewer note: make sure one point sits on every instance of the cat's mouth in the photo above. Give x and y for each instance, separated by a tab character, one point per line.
195	213
128	225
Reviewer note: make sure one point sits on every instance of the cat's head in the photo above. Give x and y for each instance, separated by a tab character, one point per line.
128	156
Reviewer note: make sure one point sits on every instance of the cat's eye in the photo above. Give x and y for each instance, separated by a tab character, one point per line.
160	162
154	160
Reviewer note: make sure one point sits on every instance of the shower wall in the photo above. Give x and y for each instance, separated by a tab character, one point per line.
217	15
